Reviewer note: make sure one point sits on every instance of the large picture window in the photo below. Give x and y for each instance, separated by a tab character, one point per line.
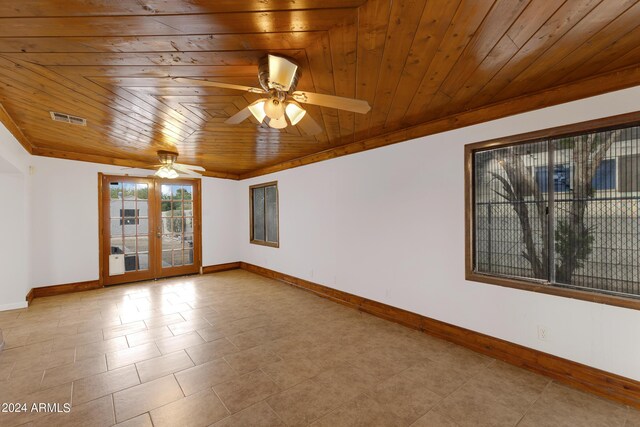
559	211
264	214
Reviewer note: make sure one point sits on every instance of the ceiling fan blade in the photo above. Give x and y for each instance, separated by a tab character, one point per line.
185	171
281	72
332	101
202	82
238	117
309	126
141	167
190	167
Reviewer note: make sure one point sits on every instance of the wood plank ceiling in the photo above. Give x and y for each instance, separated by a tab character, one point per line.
423	65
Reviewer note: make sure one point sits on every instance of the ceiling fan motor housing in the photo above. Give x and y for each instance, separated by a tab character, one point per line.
167	157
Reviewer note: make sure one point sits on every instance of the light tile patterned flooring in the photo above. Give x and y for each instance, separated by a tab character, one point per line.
236	349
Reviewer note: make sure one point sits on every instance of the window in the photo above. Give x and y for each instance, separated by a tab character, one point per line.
264	214
577	227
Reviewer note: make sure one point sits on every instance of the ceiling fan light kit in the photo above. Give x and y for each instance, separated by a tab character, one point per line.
279	77
279	107
169	169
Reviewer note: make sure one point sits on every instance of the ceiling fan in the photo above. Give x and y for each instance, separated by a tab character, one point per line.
168	168
280	105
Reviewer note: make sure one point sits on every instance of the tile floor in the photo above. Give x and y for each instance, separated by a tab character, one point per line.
236	349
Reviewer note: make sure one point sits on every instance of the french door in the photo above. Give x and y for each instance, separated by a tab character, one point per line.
150	228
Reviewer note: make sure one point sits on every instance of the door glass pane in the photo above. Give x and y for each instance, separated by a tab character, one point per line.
188	240
129	218
129	245
258	214
170	241
187	192
129	226
129	190
187	208
117	246
116	227
142	192
115	209
176	208
188	256
165	208
188	225
177	257
143	227
115	189
129	263
167	225
176	192
143	261
271	215
165	191
143	244
177	226
167	259
142	207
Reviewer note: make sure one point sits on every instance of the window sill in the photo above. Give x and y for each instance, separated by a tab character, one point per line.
595	297
262	243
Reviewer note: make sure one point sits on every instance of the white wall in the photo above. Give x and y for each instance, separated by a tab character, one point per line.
14	219
14	241
221	228
388	224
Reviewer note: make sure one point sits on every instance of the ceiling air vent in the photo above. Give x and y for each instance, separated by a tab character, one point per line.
66	118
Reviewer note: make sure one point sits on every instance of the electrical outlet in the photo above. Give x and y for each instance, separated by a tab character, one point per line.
543	333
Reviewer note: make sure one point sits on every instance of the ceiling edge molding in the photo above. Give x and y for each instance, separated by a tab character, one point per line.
93	158
593	86
8	122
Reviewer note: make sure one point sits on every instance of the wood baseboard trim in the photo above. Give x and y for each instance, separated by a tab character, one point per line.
577	375
220	267
48	291
30	297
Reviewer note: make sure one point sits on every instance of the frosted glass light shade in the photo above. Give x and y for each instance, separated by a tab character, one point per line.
280	123
281	73
257	109
167	172
273	108
163	172
295	112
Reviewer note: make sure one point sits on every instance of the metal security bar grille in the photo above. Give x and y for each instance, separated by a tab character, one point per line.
562	211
